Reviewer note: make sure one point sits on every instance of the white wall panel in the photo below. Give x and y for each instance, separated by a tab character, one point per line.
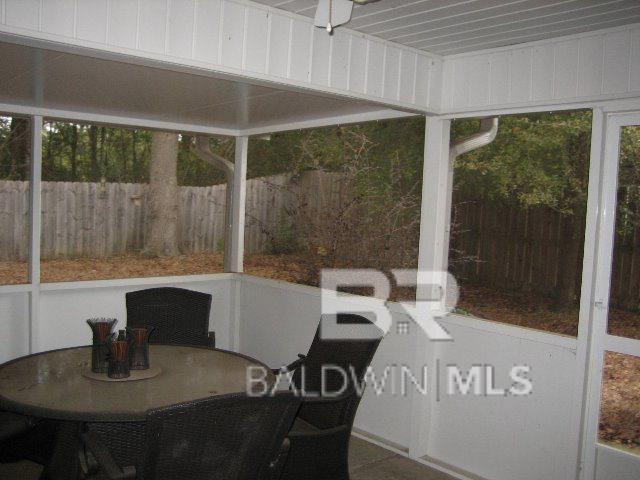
58	17
300	67
14	325
358	64
228	36
617	49
321	56
340	47
505	437
22	13
279	41
180	28
122	29
566	70
391	73
520	75
207	31
587	67
233	29
258	42
91	21
614	464
375	69
408	76
152	25
423	80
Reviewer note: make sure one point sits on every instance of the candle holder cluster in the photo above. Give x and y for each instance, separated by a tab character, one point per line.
118	354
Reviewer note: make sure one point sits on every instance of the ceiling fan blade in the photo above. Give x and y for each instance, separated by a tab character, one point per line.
340	12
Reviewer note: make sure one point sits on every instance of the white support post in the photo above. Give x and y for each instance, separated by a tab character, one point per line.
236	236
433	252
35	218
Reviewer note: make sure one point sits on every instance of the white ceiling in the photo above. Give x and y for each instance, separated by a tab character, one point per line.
48	79
456	26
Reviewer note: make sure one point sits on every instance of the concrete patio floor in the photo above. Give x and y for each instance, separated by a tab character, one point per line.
367	462
371	462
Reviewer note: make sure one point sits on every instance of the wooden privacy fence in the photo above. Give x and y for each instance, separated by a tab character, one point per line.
535	250
100	220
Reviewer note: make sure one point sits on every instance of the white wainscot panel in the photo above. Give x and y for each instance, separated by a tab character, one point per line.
505	437
63	313
14	325
614	464
593	66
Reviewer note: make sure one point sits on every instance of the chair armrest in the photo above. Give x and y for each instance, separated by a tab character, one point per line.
292	366
212	339
93	453
327	432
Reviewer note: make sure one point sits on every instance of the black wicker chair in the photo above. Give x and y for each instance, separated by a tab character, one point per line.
180	317
23	437
230	437
320	435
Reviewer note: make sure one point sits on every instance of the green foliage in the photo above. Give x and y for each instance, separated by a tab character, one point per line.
283	239
536	160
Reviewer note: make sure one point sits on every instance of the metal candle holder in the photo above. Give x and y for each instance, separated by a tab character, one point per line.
139	347
102	329
118	359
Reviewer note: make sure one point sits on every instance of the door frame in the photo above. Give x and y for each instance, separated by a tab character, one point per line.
596	298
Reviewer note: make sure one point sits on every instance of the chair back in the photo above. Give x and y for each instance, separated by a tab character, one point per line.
349	355
180	317
230	437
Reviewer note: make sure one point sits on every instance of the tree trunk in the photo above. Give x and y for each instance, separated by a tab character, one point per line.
74	153
18	148
93	147
161	220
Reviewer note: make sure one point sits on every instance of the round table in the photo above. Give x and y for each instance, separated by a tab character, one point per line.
51	384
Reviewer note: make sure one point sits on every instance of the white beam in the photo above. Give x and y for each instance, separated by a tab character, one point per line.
432	256
35	218
236	224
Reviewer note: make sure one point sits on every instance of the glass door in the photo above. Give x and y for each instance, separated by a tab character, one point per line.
612	422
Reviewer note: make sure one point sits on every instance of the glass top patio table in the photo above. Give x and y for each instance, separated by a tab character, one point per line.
51	385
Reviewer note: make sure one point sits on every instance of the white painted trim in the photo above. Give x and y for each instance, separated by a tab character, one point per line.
133	282
69	115
22	288
587	290
515	331
329	121
239	194
599	340
35	221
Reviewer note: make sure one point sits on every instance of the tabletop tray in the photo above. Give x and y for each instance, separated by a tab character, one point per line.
135	375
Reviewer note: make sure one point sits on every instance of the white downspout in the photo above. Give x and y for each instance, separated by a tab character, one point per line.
487	134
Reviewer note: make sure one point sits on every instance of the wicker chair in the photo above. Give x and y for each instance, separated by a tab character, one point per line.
23	437
179	316
230	437
320	435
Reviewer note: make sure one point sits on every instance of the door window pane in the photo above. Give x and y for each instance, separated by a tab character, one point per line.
620	403
624	298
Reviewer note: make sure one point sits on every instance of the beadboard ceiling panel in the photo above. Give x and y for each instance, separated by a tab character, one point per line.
455	26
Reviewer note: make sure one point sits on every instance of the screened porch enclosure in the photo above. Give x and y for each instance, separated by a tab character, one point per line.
244	70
